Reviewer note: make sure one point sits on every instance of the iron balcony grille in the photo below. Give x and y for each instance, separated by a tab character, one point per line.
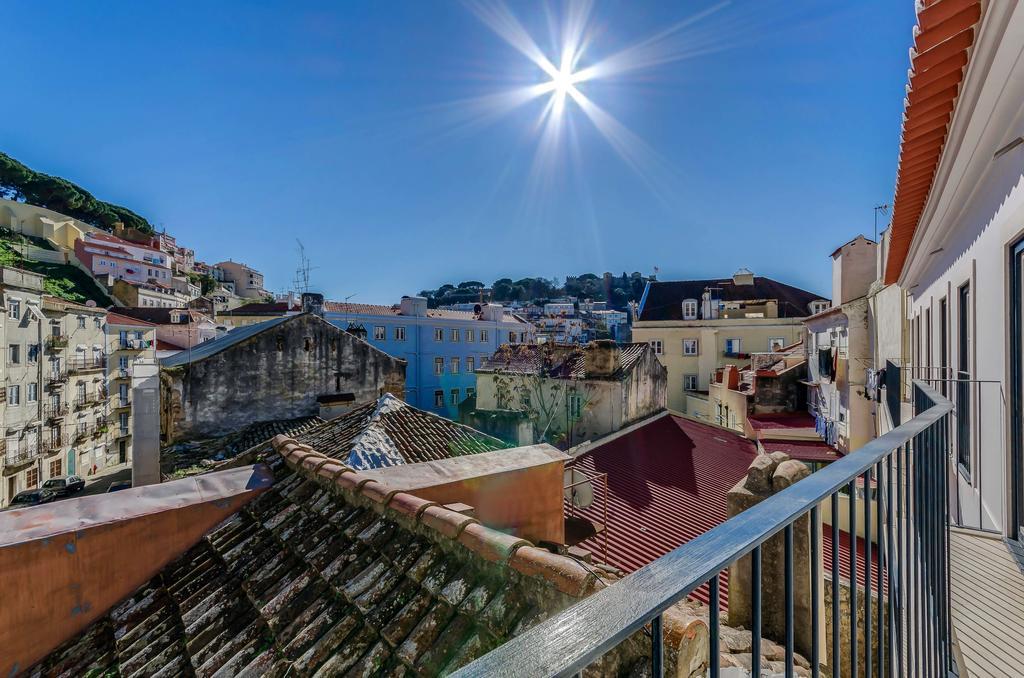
86	364
56	378
910	468
55	411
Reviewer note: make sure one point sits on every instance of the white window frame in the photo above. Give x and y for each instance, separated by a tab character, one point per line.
658	345
400	334
32	392
690	307
483	335
470	364
14	309
438	398
13	395
775	341
470	336
453	396
380	333
454	365
734	345
438	367
690	382
438	334
693	344
454	335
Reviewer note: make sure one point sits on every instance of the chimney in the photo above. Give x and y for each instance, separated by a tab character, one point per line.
767	475
313	303
731	377
602	358
743	277
492	312
414	306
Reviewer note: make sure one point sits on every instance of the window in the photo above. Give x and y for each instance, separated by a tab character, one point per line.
689	382
575	406
81	322
80	391
733	346
399	334
483	335
438	366
438	334
453	396
122	394
963	391
33	353
97	323
470	335
454	366
380	333
690	309
470	364
14	309
14	354
122	362
690	347
123	423
819	307
56	466
776	343
470	392
31	478
32	392
13	395
656	345
511	337
438	398
453	334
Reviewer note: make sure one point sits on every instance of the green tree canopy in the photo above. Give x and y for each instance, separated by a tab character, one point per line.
18	182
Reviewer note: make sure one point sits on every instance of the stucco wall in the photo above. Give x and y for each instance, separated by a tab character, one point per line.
276	374
754	335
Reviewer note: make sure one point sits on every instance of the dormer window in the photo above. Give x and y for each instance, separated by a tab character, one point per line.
819	306
690	309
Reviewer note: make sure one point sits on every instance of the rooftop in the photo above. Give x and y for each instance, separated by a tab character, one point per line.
395	310
324	574
210	348
557	361
118	319
663	300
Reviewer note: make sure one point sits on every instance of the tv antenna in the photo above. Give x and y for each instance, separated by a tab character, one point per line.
301	281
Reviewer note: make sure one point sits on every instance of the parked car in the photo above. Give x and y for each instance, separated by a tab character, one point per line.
119	485
32	498
64	485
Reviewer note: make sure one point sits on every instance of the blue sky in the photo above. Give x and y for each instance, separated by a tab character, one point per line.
241	126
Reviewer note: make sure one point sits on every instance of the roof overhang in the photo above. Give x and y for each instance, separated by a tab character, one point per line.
943	39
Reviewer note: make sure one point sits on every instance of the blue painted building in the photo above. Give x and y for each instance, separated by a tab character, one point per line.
443	348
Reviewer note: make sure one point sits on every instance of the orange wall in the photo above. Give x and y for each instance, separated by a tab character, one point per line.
55	584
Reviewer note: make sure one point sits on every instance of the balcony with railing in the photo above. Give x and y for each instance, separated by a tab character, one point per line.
899	618
56	378
56	342
55	411
90	399
22	454
86	364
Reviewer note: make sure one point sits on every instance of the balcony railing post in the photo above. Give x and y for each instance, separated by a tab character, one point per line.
657	651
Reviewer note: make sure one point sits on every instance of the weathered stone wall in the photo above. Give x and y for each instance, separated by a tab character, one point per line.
783	393
645	390
844	627
276	374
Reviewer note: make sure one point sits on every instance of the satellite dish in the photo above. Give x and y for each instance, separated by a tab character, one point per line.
90	303
578	489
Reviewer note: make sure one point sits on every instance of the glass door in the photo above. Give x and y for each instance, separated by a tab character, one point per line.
1017	391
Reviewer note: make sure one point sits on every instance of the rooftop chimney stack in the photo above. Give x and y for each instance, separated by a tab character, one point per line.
743	277
313	303
602	358
414	306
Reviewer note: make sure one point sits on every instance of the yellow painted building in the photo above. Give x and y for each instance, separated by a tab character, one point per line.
696	326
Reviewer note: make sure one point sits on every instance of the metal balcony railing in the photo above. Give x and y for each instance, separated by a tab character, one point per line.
23	454
910	468
86	364
89	400
55	411
56	378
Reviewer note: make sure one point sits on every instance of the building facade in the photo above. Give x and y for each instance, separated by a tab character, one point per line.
111	258
442	348
247	281
284	368
566	394
128	341
696	326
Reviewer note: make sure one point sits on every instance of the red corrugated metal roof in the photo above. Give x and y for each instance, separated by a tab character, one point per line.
942	42
668	482
804	450
781	421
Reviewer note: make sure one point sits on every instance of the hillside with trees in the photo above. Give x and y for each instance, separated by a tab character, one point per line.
23	184
617	290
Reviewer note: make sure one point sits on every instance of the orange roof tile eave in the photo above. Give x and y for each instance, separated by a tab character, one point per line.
946	34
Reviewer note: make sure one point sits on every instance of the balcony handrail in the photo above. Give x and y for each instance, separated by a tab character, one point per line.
568	642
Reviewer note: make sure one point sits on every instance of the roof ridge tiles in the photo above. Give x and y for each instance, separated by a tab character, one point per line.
442	524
